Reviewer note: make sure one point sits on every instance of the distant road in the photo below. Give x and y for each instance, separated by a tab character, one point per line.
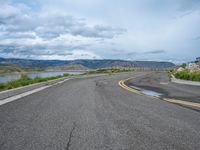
96	114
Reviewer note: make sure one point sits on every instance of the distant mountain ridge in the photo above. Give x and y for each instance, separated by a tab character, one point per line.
67	67
91	64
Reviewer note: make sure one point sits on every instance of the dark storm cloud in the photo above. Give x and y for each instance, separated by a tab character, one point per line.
38	50
17	35
98	31
197	38
155	52
25	32
70	25
188	4
18	19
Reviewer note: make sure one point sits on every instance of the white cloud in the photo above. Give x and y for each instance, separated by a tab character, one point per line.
25	33
99	26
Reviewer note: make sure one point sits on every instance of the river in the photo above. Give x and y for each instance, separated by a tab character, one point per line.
9	77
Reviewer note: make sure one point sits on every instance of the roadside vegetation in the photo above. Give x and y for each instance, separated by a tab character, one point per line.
109	70
188	75
185	74
25	80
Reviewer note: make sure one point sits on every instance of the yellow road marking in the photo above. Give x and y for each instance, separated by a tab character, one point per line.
174	101
123	85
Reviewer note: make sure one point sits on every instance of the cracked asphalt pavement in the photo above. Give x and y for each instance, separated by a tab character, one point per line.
96	114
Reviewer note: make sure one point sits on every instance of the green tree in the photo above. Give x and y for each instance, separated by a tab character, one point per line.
183	65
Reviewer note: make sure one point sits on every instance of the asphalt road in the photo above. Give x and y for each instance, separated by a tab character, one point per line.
96	114
160	82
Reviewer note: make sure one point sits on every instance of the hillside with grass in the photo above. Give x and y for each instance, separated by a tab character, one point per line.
10	68
68	67
91	64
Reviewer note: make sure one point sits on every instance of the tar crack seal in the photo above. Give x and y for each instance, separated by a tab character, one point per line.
70	137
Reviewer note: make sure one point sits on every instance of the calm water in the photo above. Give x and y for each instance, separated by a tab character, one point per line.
10	77
147	92
151	93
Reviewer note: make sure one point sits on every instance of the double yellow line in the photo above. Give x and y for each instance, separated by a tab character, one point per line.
174	101
124	86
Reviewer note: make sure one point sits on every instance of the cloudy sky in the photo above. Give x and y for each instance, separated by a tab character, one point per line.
161	30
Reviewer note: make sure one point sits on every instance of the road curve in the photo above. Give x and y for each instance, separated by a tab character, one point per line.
96	114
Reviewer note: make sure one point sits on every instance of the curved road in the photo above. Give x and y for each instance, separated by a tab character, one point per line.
96	114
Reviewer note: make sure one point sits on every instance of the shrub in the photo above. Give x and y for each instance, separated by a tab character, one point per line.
186	75
183	65
25	80
108	70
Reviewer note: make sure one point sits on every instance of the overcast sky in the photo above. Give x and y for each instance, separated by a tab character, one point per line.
161	30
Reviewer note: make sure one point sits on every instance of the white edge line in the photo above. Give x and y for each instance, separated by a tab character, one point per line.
13	98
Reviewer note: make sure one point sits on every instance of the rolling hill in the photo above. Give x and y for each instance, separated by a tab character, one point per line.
91	64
